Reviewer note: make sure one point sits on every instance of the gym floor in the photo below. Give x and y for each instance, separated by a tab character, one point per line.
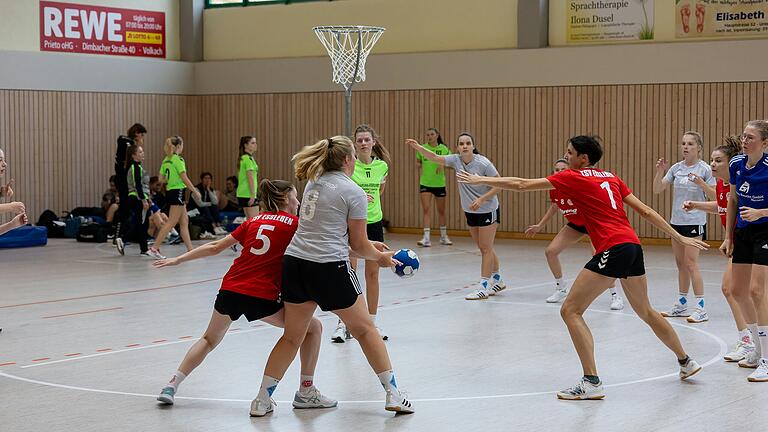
92	337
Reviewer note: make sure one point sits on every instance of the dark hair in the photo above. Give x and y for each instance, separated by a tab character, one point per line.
135	130
379	150
439	137
233	179
730	147
588	145
109	196
129	152
154	179
244	140
474	149
112	178
274	193
205	173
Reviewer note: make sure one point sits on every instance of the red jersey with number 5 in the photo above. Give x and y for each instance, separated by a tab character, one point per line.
566	206
258	271
599	196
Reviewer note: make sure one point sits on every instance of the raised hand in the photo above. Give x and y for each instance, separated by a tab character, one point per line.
662	165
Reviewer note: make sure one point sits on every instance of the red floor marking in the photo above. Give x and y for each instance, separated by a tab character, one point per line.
234	329
72	355
104	350
7	364
82	313
110	294
41	359
186	337
160	341
132	345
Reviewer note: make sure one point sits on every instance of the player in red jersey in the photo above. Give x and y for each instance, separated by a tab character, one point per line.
721	156
570	234
251	287
600	196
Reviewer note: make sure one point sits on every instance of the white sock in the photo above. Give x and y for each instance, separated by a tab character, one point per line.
753	329
306	383
268	386
496	276
443	232
762	336
560	283
745	336
174	232
426	233
176	380
700	302
387	379
682	299
613	291
373	319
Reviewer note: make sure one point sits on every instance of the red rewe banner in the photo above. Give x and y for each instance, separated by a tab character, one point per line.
67	27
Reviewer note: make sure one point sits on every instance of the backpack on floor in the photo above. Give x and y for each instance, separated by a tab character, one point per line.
92	233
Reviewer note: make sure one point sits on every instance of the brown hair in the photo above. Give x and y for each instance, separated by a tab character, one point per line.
129	152
323	156
274	194
378	150
730	147
244	140
135	130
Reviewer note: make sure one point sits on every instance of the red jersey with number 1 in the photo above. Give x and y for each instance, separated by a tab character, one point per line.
566	206
258	271
722	189
599	196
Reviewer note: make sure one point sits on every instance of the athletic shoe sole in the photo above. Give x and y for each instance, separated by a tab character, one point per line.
747	366
732	359
596	397
306	405
691	374
695	321
399	410
165	400
668	315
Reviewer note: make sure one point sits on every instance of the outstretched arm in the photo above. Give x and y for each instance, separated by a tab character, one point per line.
651	216
707	206
213	248
513	183
424	152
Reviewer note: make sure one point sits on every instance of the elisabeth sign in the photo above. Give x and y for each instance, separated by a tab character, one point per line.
606	21
74	28
721	18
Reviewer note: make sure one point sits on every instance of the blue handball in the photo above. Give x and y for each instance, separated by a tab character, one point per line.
410	263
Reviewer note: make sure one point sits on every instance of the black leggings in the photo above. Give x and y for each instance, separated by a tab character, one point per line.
138	227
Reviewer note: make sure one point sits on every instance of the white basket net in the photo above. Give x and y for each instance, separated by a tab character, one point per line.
348	47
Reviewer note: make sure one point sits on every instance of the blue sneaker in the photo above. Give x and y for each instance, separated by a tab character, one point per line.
174	239
166	395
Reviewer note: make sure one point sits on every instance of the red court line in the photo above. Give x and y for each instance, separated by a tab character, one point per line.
104	350
41	359
72	355
109	294
82	313
132	345
7	364
160	341
186	337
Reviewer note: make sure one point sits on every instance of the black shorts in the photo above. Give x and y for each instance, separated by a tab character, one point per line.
580	228
750	244
482	219
375	231
235	305
243	202
436	191
175	197
620	261
691	230
332	285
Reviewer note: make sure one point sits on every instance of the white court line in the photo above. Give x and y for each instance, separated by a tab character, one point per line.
721	343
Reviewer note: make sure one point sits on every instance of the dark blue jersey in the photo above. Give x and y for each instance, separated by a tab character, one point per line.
751	186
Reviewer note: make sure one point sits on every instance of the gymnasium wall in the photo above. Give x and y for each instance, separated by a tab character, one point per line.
280	30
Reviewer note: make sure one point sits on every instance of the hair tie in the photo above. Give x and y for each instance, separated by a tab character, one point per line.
330	142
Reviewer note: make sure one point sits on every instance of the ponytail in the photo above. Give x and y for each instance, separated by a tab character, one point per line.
323	156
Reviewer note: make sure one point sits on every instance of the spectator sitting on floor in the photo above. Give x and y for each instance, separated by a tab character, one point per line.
207	205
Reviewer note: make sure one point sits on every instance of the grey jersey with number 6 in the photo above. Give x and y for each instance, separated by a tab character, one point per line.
468	193
326	206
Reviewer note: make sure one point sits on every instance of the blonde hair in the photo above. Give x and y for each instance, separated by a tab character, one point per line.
170	145
697	136
761	126
323	156
274	194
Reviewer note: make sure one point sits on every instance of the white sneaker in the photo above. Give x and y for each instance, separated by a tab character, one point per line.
739	352
219	231
498	286
167	395
120	246
424	242
480	294
383	335
398	403
677	310
340	335
312	398
155	253
445	241
617	303
261	408
584	390
690	369
205	235
751	360
698	315
558	296
761	373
